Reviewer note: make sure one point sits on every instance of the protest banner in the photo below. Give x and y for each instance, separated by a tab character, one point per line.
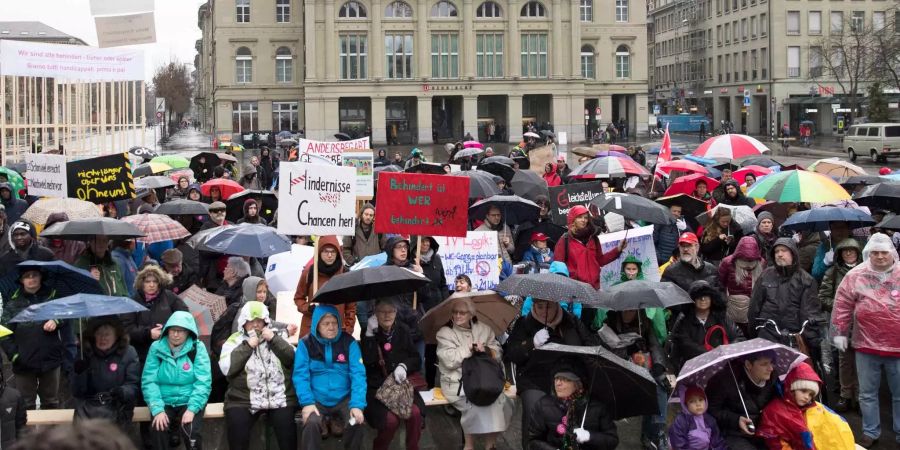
568	195
330	150
70	62
47	175
422	204
364	163
476	255
132	29
102	179
640	245
112	7
316	199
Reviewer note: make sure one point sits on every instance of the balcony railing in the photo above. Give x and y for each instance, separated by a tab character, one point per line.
793	72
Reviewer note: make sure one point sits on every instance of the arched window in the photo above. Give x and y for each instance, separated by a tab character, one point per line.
586	9
623	62
284	65
243	63
352	10
587	62
533	9
443	8
398	9
488	9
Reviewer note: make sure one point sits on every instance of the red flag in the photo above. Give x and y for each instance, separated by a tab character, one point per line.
665	150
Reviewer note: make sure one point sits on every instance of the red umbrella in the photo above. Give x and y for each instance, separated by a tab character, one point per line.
473	144
687	184
608	167
730	146
226	187
617	148
681	165
757	171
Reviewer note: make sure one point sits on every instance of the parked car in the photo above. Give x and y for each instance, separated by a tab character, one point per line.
878	140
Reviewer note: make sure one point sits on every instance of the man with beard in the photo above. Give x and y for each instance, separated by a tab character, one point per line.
690	267
23	246
364	242
493	221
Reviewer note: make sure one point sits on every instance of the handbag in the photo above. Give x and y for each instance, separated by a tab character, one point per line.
396	397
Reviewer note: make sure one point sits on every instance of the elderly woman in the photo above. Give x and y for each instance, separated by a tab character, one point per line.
145	327
462	336
388	351
557	420
176	382
106	382
258	363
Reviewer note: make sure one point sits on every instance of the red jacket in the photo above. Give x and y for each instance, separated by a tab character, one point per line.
584	260
552	179
783	422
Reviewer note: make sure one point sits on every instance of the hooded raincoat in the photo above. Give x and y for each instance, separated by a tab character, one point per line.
692	337
835	274
15	206
694	432
552	179
748	250
582	254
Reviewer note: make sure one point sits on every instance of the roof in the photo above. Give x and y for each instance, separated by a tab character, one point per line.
34	31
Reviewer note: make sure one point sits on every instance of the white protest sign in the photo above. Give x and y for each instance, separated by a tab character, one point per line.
47	176
116	31
640	246
316	199
476	255
70	62
331	150
112	7
364	163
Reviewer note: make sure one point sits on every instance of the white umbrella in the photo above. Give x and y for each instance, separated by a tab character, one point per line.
741	215
532	135
283	269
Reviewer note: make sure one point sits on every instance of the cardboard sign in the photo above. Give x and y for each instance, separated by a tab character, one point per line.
102	179
563	197
116	31
640	245
47	175
316	199
112	7
330	150
476	255
422	204
70	62
364	164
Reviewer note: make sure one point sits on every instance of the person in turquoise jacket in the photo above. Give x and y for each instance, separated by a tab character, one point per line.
330	381
574	308
177	381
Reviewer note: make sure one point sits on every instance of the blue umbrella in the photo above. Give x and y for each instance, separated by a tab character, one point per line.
375	260
78	306
818	219
655	150
701	160
248	239
65	278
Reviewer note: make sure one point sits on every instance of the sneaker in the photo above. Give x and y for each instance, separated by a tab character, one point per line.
866	441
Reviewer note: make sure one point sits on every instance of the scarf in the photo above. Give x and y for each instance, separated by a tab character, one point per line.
149	298
569	422
325	269
425	258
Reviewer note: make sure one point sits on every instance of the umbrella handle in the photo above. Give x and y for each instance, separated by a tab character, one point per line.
418	258
738	387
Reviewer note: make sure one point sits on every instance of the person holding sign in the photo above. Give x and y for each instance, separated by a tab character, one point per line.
397	249
329	265
493	221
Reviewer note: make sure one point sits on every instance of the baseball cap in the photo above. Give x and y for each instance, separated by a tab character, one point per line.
538	237
688	238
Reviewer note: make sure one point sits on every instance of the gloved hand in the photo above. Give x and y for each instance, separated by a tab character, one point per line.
796	237
829	257
400	373
371	326
582	435
541	337
681	224
663	382
841	343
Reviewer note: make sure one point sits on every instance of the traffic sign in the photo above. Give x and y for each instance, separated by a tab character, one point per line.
747	100
160	105
159	114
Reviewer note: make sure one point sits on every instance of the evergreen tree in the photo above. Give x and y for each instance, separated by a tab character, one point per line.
878	107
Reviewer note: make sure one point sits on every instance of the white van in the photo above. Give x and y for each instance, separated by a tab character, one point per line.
878	140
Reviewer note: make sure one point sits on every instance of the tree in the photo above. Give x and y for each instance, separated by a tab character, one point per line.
172	81
878	107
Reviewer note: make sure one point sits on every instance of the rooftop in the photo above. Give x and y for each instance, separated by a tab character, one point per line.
35	31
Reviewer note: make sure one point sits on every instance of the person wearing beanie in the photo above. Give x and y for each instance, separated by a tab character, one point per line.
694	428
183	275
24	246
538	255
364	242
765	234
14	205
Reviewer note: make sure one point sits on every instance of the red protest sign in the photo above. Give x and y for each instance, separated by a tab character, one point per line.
422	204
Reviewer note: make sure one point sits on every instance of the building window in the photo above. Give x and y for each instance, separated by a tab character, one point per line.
586	7
489	55
488	9
398	49
243	63
754	27
878	18
534	55
533	9
285	116
857	21
623	62
814	22
398	9
444	55
444	8
793	62
284	65
352	10
815	61
793	22
837	22
283	11
353	56
244	117
621	10
243	11
763	24
587	62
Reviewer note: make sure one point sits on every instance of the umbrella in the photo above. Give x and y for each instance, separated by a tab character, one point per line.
634	207
65	278
612	153
528	184
284	134
199	238
248	239
151	168
551	287
709	163
532	134
798	186
502	170
467	152
202	316
342	136
86	229
498	159
853	181
378	259
608	168
40	210
473	144
730	146
890	222
5	331
676	150
690	206
836	168
732	167
681	165
688	183
215	303
143	152
481	184
817	219
226	187
515	209
175	175
881	195
548	133
154	182
741	215
173	161
607	147
157	227
283	269
588	152
490	308
370	283
757	171
78	306
388	168
624	388
760	161
266	200
14	179
287	142
778	210
642	294
182	207
698	370
427	167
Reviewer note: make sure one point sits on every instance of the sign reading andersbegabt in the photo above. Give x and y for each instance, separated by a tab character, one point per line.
422	204
102	179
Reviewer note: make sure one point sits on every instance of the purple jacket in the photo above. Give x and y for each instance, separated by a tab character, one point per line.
747	248
686	434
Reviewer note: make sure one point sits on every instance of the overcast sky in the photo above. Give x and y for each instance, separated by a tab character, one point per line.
176	25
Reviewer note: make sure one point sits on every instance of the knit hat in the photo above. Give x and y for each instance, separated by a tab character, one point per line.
765	215
809	385
172	257
23	224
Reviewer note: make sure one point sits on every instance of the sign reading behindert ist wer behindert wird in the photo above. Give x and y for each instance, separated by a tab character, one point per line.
422	204
316	199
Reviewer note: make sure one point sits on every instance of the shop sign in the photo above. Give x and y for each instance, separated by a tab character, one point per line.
444	87
723	90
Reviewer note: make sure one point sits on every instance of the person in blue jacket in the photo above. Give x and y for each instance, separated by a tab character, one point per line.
574	308
330	381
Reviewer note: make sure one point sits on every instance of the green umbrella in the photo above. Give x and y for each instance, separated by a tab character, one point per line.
174	161
14	179
798	186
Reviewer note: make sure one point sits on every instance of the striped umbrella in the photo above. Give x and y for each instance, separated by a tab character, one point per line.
608	167
730	146
681	165
798	186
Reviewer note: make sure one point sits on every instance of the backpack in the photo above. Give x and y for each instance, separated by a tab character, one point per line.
482	379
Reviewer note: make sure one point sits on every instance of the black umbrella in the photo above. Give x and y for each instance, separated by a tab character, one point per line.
634	207
890	222
266	199
154	182
481	184
819	219
690	206
759	161
624	388
641	294
515	209
881	195
387	168
500	159
730	166
502	170
855	180
548	133
368	284
182	207
342	136
143	152
426	167
551	287
528	184
143	170
87	229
